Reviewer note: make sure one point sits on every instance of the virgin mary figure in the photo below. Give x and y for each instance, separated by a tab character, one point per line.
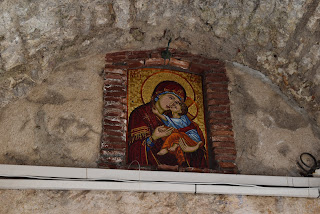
147	131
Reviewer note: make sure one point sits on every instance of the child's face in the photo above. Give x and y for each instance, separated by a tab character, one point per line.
176	107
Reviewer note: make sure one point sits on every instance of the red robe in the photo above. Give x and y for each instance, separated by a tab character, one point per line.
142	123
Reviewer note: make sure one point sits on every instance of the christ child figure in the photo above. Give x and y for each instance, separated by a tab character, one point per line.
184	138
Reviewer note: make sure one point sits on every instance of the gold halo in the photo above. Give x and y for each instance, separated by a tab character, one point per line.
153	80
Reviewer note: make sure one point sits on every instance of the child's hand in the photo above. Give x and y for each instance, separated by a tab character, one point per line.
183	145
155	111
171	149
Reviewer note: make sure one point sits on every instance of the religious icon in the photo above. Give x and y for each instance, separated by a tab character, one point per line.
166	119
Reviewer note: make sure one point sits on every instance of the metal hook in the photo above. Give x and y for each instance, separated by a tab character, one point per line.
166	54
311	169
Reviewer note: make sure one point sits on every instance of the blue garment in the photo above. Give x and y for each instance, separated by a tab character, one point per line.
182	122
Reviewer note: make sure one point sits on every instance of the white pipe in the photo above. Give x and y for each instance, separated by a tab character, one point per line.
260	191
134	180
42	171
94	185
157	187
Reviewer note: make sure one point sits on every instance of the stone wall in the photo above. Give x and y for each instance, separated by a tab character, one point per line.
279	38
51	87
83	202
271	131
59	122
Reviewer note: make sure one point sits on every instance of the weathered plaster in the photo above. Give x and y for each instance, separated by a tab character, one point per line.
59	122
271	131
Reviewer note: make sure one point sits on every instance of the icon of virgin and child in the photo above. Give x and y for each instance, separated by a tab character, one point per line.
161	133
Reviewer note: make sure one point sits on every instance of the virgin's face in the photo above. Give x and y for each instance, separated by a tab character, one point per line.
176	107
166	101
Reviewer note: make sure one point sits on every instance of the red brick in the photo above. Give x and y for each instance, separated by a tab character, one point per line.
227	165
112	127
217	85
113	139
182	54
219	70
223	138
116	93
224	96
111	66
199	68
215	74
213	121
219	109
139	54
119	82
113	152
162	49
221	127
179	63
115	99
221	115
135	63
217	102
216	79
114	133
116	119
118	112
212	62
224	144
112	122
222	133
225	157
114	114
114	71
224	151
155	55
114	106
115	146
214	90
115	76
115	88
113	160
155	61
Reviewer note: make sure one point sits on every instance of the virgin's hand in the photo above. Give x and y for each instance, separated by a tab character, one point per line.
160	132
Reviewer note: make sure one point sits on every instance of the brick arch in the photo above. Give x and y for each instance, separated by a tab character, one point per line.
220	136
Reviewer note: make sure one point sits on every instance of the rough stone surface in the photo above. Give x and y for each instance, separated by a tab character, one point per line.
41	201
271	131
279	38
59	123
